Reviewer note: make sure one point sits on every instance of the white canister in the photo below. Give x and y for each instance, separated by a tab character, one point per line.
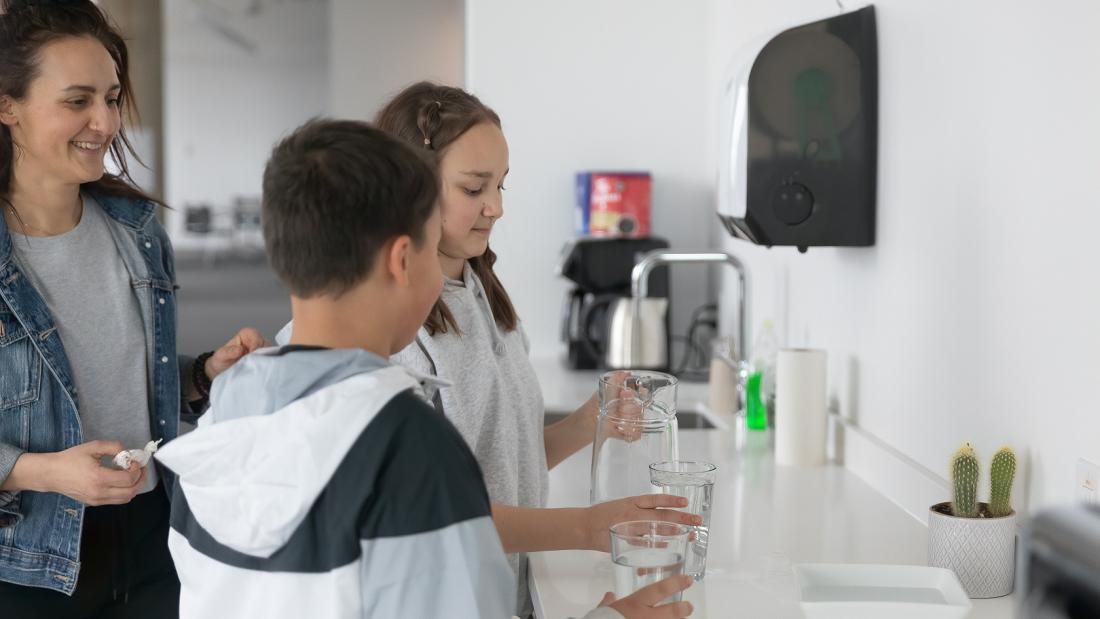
800	421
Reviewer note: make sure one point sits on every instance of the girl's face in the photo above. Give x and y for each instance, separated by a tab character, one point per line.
472	175
65	124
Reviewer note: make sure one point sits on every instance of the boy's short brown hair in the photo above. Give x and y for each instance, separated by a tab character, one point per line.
334	193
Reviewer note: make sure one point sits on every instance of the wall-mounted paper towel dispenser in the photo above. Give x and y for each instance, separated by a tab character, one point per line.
801	137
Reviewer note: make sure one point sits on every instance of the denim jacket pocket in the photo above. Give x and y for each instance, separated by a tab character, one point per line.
20	366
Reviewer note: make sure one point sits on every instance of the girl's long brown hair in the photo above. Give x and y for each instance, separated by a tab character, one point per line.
432	117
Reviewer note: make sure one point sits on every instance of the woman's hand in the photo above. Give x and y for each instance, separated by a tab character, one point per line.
642	604
78	474
246	341
600	517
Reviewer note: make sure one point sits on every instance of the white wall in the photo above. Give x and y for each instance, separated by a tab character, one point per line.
963	323
226	105
976	315
592	85
379	47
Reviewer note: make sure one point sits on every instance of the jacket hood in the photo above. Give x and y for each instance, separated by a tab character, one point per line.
280	422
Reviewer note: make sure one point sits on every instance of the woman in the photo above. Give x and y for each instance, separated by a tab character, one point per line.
88	362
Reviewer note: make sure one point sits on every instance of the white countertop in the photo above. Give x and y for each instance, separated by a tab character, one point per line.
765	519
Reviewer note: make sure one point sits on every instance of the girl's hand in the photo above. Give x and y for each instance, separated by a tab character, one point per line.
589	414
625	409
599	518
566	437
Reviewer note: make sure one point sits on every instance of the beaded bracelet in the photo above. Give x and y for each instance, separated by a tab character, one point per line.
199	378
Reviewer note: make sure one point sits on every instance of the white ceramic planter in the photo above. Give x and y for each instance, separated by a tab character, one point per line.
981	551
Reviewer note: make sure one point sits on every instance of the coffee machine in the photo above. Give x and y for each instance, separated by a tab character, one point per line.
600	271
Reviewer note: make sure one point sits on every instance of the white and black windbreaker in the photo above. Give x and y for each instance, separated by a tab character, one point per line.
319	485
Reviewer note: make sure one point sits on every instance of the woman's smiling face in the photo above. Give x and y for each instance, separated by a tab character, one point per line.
64	125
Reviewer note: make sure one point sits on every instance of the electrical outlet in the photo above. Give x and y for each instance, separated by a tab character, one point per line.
1088	482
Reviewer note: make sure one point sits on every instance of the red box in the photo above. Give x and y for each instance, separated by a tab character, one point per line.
619	204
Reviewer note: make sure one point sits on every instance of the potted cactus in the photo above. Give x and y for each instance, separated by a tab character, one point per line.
974	539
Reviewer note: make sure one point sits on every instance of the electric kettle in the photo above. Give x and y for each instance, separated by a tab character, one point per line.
637	335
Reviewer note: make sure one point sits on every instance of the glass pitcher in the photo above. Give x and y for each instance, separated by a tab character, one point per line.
637	427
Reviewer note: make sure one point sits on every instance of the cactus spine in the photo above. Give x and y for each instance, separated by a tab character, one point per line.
1001	472
964	479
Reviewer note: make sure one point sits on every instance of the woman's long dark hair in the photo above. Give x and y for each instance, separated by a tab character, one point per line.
26	26
431	116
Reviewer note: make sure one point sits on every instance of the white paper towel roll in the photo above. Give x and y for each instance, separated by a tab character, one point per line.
800	407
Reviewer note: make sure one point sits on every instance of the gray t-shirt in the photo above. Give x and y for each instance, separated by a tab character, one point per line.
495	401
81	276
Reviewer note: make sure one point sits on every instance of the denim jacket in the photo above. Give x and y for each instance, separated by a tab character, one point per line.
40	531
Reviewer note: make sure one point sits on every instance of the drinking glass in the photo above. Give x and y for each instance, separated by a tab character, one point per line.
646	551
695	482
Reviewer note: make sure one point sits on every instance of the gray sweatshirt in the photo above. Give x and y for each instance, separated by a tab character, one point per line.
494	401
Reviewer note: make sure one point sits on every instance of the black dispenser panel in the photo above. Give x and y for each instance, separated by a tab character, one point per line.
812	137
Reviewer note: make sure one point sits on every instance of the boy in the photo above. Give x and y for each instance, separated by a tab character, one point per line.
318	484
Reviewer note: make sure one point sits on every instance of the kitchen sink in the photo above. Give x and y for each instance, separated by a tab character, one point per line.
686	419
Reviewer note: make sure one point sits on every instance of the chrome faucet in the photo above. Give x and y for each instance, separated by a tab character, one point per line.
639	283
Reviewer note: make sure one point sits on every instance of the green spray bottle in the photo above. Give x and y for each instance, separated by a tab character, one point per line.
761	380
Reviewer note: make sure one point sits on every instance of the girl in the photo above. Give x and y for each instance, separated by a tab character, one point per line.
88	362
474	338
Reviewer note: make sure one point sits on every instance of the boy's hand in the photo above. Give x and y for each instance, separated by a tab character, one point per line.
600	517
246	341
642	604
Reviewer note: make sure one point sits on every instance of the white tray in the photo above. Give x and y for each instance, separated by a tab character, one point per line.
852	591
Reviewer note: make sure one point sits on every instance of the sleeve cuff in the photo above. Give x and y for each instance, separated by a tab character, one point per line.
8	455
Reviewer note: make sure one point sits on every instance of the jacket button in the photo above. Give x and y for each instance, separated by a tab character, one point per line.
148	244
162	422
164	359
161	300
